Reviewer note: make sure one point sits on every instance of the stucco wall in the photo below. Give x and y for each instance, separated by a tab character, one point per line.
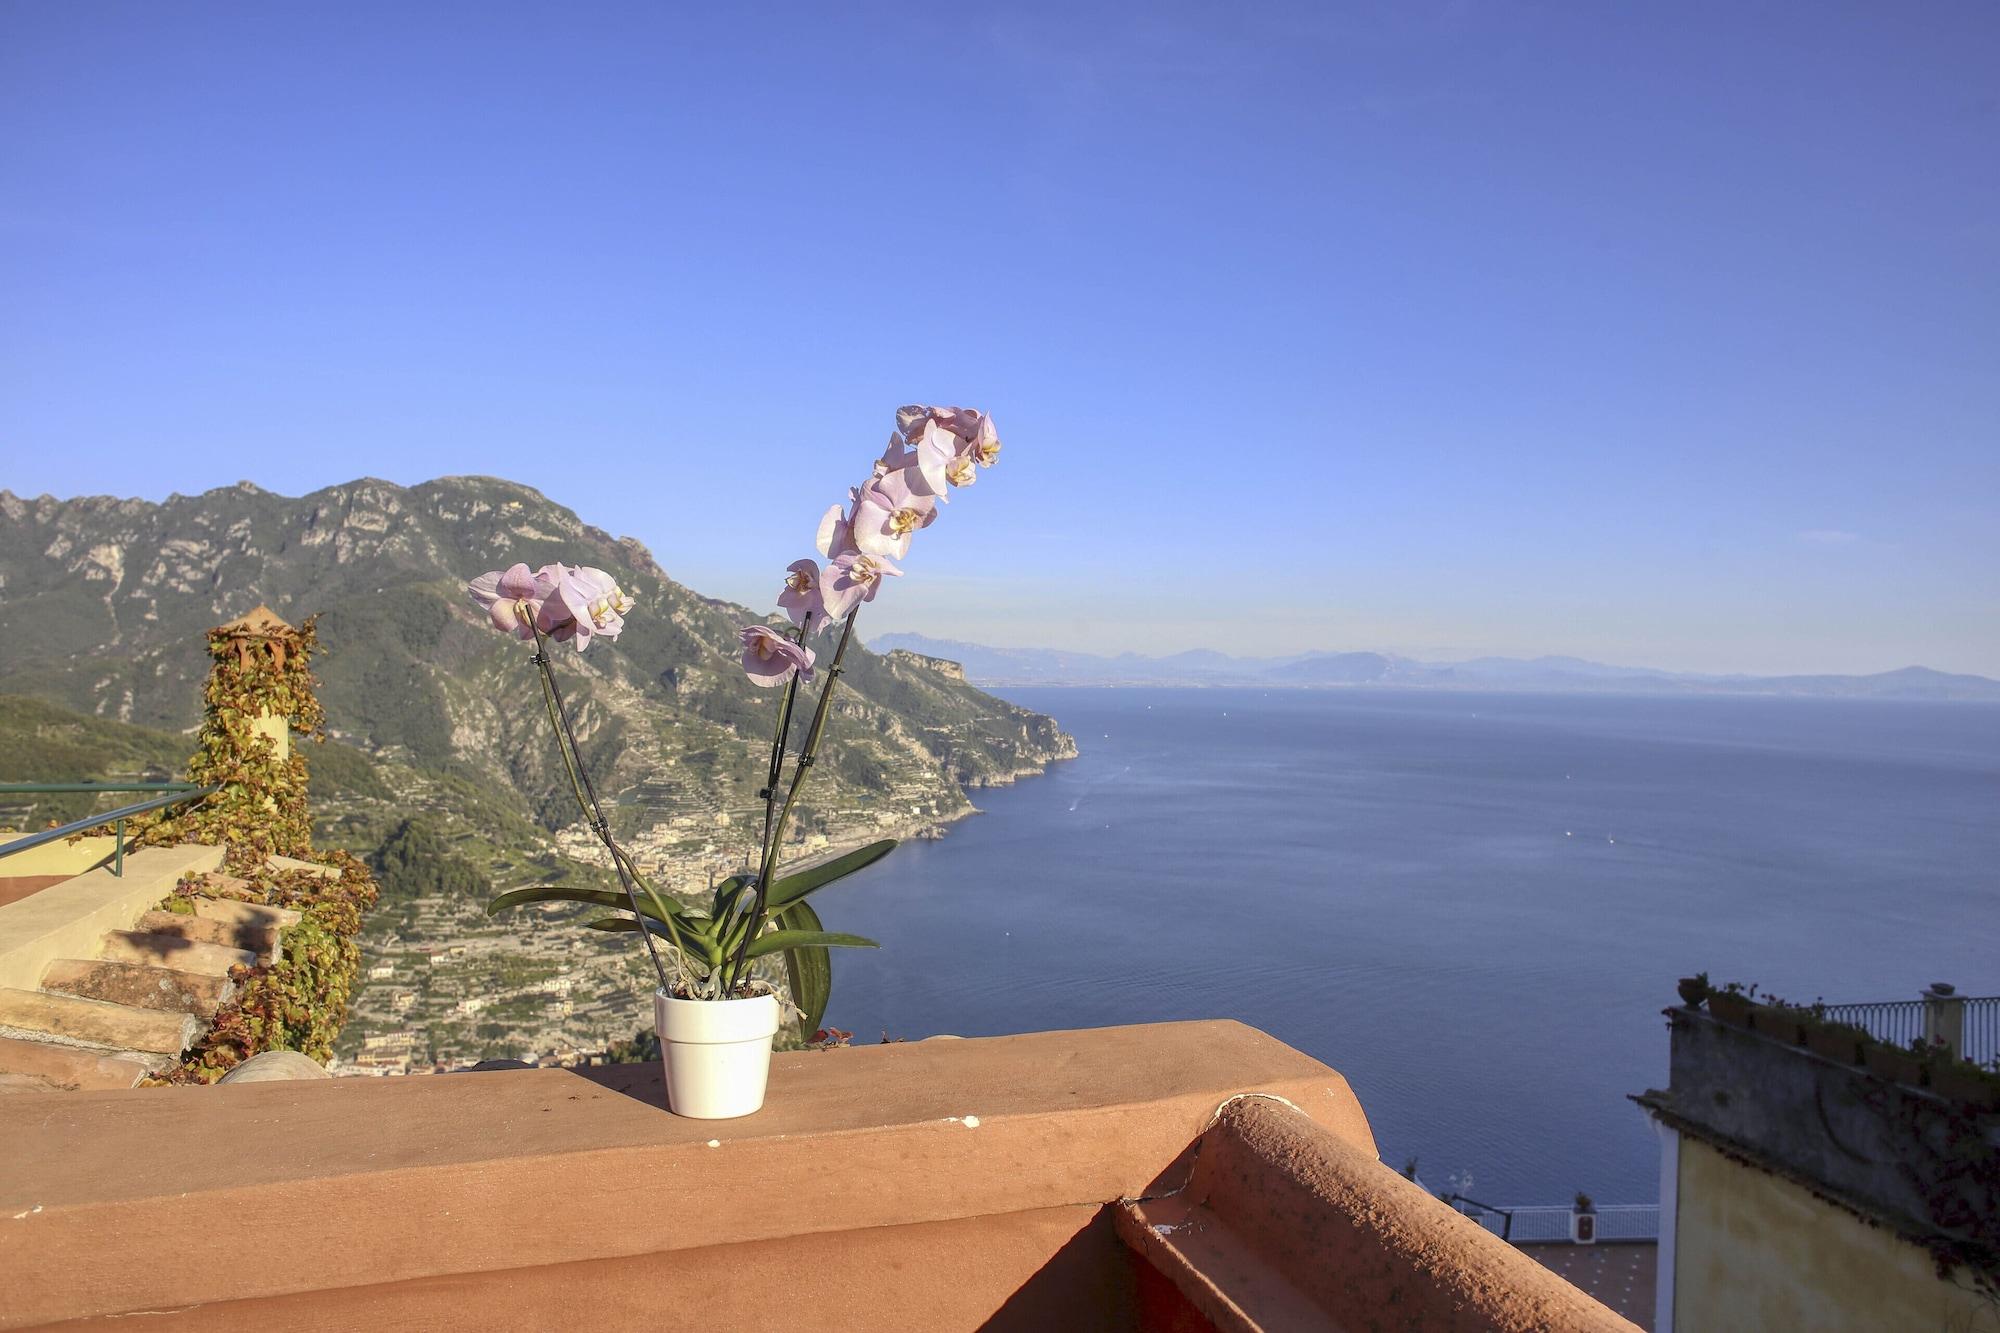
1755	1252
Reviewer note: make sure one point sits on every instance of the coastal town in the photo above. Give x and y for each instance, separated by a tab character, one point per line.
445	984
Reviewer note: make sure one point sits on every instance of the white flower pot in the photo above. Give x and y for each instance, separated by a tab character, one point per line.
717	1053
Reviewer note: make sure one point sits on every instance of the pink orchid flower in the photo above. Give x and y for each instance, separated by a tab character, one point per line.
802	598
935	448
895	457
890	512
585	603
985	446
960	421
769	658
835	533
971	429
513	598
854	578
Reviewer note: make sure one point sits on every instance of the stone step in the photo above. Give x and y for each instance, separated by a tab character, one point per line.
225	909
283	863
68	920
139	984
261	940
226	886
49	1067
42	1016
138	946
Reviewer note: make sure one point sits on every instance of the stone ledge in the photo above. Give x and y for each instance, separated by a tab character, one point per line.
393	1181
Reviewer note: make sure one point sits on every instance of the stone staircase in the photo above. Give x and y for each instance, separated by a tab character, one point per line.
152	987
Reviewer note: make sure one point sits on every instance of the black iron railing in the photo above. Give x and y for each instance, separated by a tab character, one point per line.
1982	1030
1968	1025
166	794
1898	1022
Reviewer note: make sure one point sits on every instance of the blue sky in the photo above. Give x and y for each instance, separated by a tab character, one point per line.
1666	335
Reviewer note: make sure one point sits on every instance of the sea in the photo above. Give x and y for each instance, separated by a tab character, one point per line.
1474	906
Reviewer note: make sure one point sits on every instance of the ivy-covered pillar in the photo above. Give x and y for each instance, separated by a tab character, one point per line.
259	691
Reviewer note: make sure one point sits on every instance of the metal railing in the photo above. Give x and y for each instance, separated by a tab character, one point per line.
1981	1042
1967	1025
1898	1022
1532	1224
167	794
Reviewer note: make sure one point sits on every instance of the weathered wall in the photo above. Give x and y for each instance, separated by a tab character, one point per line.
1755	1252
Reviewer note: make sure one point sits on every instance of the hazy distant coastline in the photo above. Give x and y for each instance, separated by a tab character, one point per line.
987	666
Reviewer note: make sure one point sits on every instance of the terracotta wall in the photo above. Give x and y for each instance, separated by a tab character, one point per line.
1054	1268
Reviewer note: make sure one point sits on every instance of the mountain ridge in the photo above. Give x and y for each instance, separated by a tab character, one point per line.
1551	673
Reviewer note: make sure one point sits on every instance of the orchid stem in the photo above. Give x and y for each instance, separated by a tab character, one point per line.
777	833
593	809
782	734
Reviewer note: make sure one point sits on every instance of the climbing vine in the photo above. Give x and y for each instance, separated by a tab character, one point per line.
261	666
1953	1161
298	1001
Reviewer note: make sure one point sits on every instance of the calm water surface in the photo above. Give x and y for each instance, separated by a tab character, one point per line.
1473	906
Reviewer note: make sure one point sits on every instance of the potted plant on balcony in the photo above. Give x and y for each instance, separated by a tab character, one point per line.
716	1015
1898	1064
1732	1004
1961	1081
1583	1220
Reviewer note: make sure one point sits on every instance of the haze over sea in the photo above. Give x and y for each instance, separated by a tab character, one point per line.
1473	905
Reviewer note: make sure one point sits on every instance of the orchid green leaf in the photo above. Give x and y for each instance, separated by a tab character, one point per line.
808	968
779	940
726	894
796	886
698	942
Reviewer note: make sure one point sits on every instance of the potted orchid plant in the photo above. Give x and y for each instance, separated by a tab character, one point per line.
716	1014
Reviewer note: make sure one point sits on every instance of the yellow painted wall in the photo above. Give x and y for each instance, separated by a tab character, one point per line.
1755	1253
277	728
62	857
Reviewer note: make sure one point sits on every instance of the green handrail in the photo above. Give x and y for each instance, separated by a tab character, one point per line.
172	793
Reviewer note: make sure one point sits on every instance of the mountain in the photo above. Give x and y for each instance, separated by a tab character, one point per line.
106	601
1030	666
1344	669
437	720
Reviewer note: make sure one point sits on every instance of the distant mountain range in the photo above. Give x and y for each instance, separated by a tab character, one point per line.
1037	666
